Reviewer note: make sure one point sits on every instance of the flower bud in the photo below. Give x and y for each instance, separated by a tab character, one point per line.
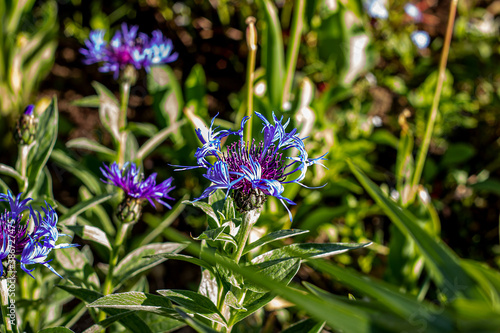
247	201
26	126
129	210
129	74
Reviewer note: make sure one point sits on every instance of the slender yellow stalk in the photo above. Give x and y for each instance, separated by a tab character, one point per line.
251	35
424	148
122	121
293	51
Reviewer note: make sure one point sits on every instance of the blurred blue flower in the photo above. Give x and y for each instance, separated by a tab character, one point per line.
251	169
413	11
131	181
127	47
420	38
33	246
377	9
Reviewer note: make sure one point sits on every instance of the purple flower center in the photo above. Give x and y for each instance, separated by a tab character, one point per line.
239	153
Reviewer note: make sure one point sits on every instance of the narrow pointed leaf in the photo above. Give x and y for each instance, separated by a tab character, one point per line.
273	236
136	301
142	259
443	264
194	303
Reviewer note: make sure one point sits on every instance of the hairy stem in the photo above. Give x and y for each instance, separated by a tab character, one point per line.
424	148
251	35
23	167
293	50
113	259
247	222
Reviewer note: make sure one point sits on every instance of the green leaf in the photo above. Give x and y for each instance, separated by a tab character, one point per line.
305	326
308	251
88	101
206	208
167	95
77	267
194	322
136	301
56	330
144	129
132	322
85	143
46	137
458	153
81	207
273	55
8	171
91	233
158	139
108	110
62	159
405	163
443	264
490	185
160	323
233	302
337	314
276	270
383	320
273	236
389	297
185	258
194	303
142	259
107	322
195	89
217	234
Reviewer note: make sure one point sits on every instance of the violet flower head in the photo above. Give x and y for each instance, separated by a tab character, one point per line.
254	170
33	246
127	47
132	182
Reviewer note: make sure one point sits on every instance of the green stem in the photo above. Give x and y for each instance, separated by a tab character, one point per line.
113	260
23	166
122	120
248	220
251	36
293	51
424	148
4	294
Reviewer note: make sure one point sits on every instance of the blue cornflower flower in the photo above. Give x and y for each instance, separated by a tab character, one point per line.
253	170
412	11
127	47
377	9
131	181
33	246
421	39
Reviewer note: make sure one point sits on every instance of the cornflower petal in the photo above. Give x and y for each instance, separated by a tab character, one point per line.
131	181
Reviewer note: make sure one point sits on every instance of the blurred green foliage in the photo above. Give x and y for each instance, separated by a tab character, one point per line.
27	44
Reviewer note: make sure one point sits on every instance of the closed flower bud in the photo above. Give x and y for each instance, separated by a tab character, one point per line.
26	127
129	210
249	200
